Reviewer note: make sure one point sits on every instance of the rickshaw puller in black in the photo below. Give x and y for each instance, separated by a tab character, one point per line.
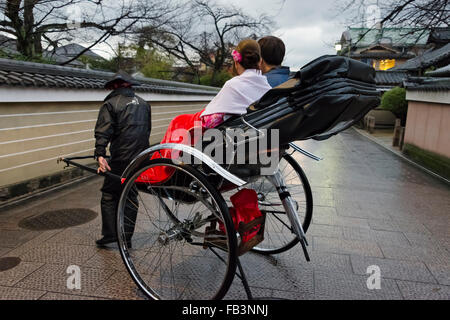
124	121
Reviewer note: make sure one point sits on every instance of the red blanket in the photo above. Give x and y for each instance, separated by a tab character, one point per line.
245	209
176	133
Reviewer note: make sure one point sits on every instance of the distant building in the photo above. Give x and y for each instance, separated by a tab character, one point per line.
386	80
60	55
441	72
396	53
427	134
439	37
8	45
432	58
68	52
384	48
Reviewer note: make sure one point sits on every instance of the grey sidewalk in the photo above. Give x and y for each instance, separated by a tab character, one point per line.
370	208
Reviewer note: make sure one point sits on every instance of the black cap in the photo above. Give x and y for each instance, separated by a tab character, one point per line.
122	76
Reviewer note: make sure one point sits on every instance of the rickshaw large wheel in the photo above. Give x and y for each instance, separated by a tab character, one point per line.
278	235
176	238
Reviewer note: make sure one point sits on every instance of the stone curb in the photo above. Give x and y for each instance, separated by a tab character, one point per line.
400	155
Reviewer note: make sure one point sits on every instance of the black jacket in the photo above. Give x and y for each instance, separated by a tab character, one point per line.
125	121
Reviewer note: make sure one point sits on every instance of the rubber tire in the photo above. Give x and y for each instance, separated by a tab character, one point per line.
309	208
228	222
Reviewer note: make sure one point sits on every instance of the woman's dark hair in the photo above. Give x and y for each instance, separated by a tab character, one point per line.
272	50
250	52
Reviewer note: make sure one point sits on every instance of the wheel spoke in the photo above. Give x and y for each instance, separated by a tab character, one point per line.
171	256
278	235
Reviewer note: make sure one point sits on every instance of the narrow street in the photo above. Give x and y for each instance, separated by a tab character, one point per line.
371	208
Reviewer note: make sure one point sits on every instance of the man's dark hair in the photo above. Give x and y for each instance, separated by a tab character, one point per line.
272	50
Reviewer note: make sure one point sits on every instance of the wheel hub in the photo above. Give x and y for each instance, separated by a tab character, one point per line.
261	197
172	234
182	231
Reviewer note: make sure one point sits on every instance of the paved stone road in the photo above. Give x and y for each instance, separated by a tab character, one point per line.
371	208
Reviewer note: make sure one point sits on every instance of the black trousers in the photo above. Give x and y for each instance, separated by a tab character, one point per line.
111	192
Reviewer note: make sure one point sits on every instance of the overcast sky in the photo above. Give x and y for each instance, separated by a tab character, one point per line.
309	28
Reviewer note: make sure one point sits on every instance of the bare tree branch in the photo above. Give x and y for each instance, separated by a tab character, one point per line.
33	22
416	17
204	32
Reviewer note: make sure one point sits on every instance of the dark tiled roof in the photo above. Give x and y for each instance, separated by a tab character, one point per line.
63	59
440	35
67	52
381	55
441	72
427	84
62	54
390	77
29	74
73	49
8	45
399	37
428	59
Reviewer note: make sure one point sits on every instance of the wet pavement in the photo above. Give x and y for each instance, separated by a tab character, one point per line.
371	208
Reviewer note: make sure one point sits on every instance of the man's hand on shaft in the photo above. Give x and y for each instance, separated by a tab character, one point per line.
103	165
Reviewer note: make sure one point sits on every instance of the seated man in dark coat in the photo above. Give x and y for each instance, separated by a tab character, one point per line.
124	121
273	51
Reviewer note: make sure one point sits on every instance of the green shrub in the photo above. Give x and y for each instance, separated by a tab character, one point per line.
19	57
395	101
154	64
221	78
100	64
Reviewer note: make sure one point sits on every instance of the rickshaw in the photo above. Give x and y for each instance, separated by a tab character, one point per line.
177	237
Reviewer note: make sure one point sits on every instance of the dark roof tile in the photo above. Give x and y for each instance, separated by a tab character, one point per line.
428	59
390	77
20	73
441	72
440	35
427	84
12	79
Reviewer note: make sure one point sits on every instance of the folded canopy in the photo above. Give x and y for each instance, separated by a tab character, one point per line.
325	97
